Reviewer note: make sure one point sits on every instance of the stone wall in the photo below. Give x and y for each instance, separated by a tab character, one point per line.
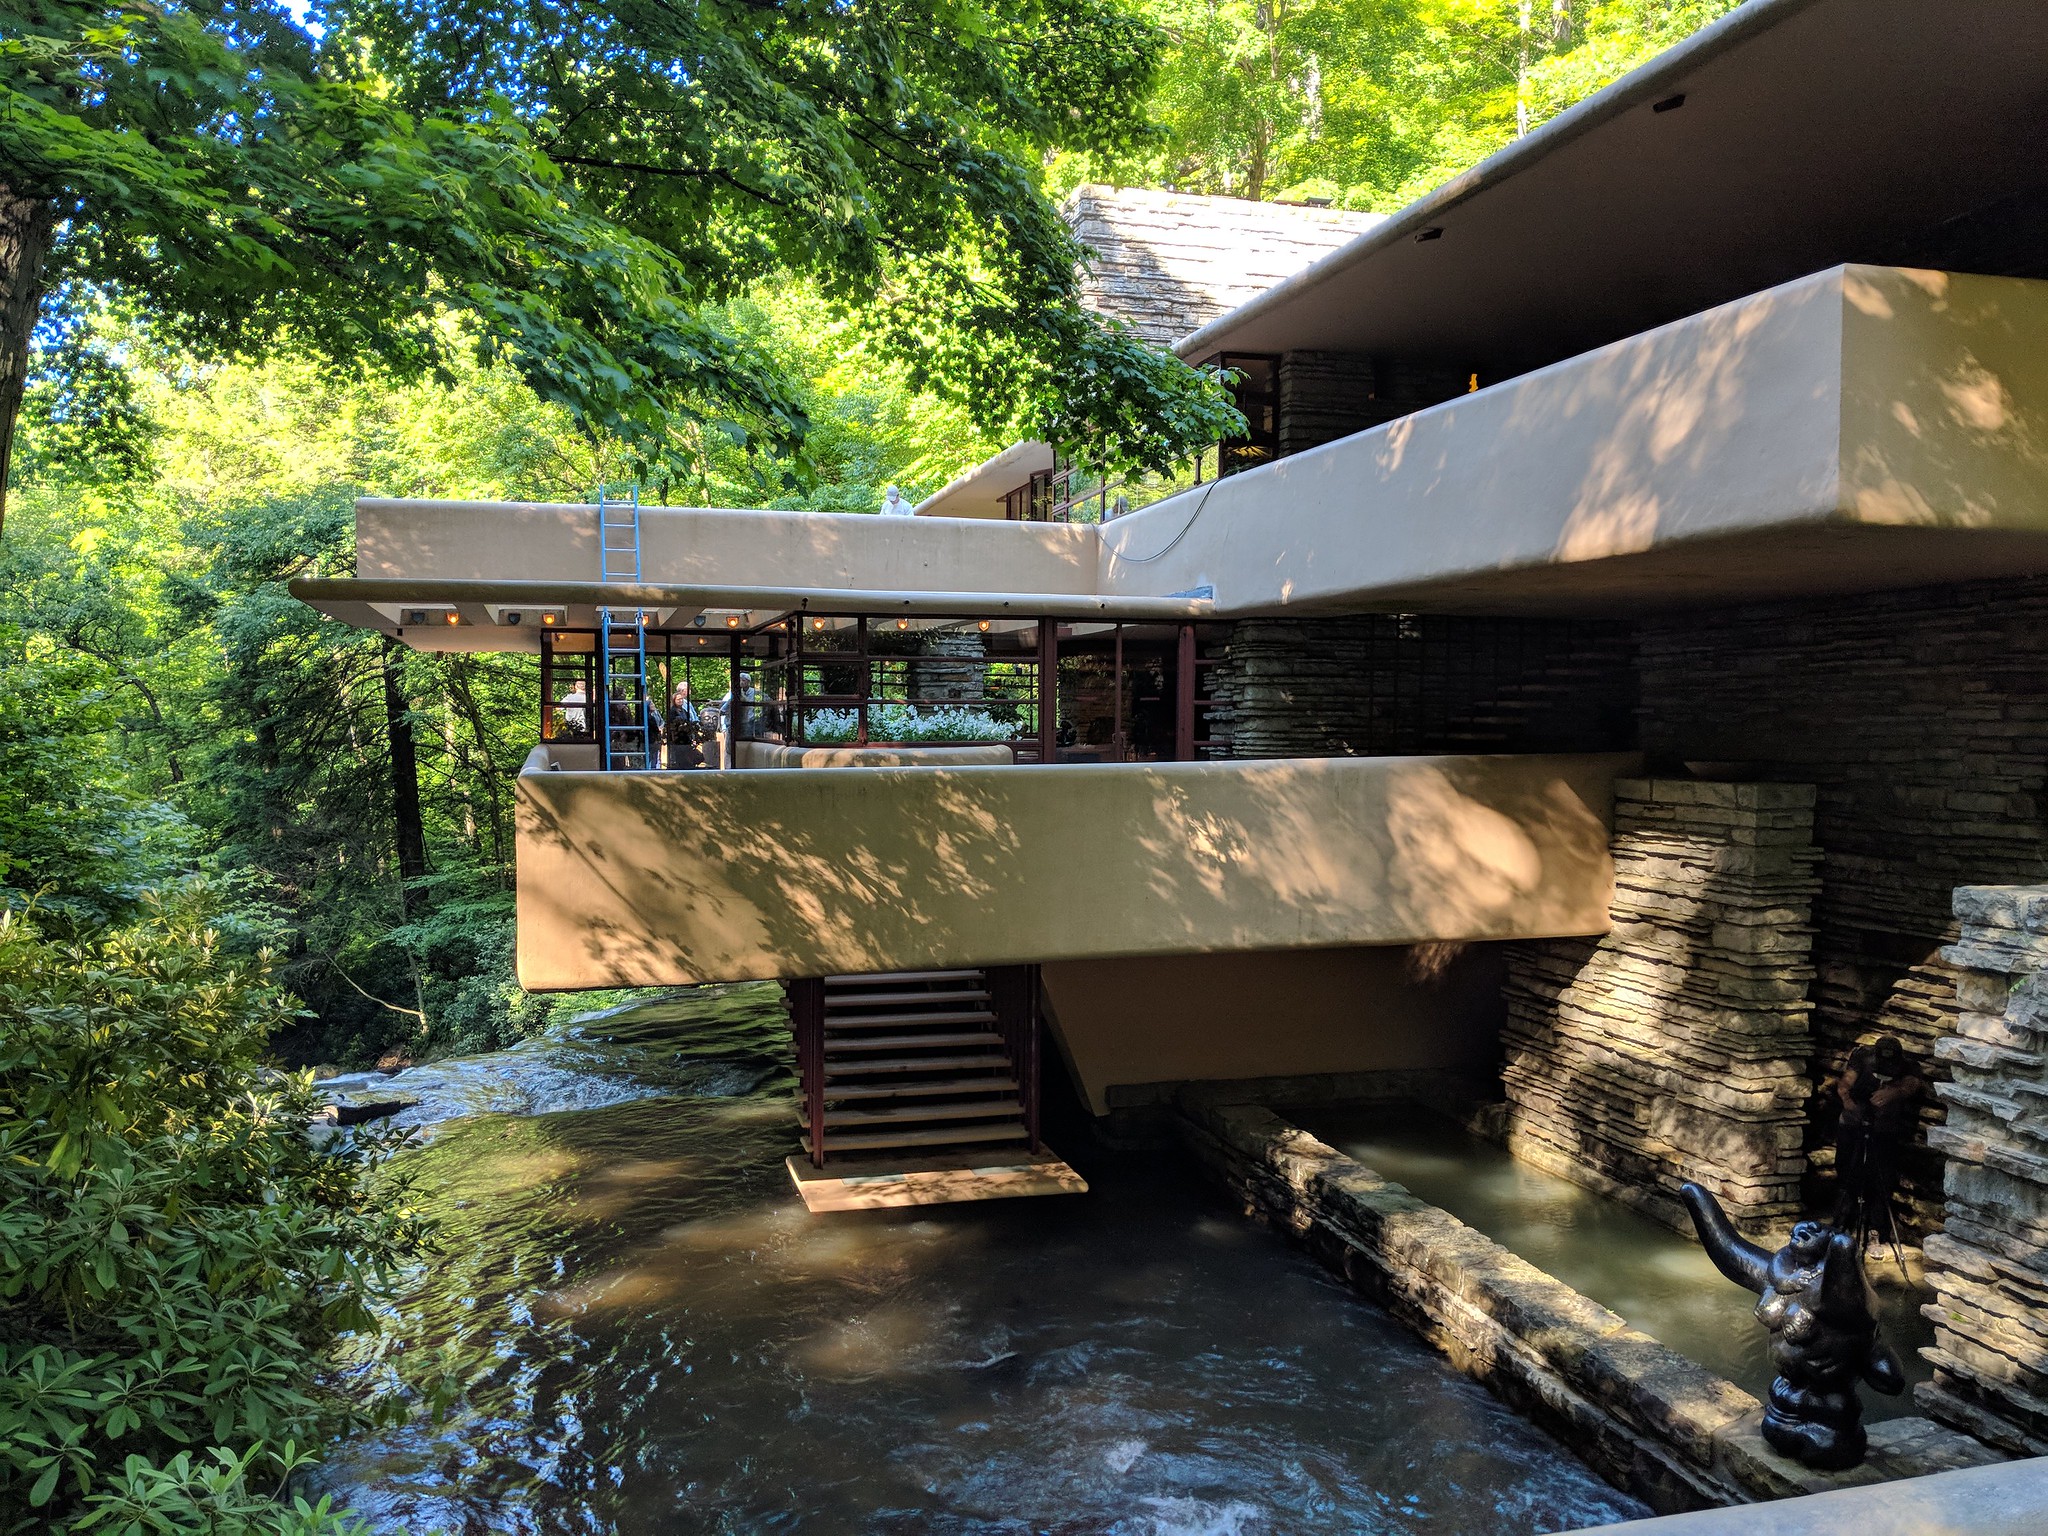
1922	718
1675	1047
1328	395
1170	262
1647	1419
1323	396
934	676
1395	684
1989	1265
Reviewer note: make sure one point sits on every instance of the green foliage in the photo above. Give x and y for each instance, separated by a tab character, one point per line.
576	193
1371	103
240	183
175	1253
889	154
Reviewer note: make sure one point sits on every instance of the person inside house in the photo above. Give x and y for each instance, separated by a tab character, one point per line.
738	712
1879	1093
683	730
574	718
896	504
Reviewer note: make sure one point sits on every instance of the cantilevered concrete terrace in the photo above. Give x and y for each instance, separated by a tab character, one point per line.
647	879
1862	428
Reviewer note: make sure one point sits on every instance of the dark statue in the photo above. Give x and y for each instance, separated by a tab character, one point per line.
1879	1093
1822	1316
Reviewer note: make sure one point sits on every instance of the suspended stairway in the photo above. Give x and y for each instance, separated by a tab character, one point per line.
920	1088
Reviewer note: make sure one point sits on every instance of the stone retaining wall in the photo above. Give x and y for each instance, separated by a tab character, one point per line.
1922	718
1989	1264
1391	684
1675	1046
1328	395
1650	1421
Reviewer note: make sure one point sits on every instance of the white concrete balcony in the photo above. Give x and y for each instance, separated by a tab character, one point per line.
1863	428
647	879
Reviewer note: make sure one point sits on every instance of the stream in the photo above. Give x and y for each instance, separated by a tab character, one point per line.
642	1330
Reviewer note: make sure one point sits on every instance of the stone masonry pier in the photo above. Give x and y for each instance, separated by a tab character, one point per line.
1675	1047
1989	1264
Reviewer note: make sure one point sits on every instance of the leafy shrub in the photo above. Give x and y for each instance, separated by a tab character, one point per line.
906	723
175	1252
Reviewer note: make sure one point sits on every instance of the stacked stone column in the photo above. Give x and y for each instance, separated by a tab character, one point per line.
1676	1046
1989	1264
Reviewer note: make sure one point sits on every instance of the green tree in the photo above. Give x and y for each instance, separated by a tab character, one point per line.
1371	103
575	187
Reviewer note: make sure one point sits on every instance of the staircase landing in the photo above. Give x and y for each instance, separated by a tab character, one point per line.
878	1183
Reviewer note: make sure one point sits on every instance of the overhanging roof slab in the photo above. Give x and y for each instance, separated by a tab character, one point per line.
1866	427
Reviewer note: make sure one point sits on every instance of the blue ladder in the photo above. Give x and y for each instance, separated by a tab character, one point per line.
631	731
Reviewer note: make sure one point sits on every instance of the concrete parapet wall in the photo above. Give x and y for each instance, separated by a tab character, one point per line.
1650	1421
661	879
772	754
2010	1499
1675	1046
1861	428
1989	1263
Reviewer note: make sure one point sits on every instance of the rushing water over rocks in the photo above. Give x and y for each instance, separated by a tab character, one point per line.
647	1332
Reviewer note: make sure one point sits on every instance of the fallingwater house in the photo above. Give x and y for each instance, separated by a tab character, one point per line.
1612	671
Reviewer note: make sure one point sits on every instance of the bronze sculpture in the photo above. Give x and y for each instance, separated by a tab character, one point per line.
1817	1304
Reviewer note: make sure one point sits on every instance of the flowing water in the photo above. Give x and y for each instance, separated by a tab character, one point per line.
1657	1280
643	1331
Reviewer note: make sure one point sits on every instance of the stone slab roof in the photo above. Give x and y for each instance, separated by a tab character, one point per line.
1171	262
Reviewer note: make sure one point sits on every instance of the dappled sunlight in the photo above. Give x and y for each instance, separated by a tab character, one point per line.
652	879
1945	401
1834	408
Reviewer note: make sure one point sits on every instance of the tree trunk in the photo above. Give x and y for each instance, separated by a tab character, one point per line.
405	775
1523	22
25	227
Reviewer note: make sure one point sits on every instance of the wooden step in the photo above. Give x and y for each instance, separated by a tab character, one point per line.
845	1047
835	1022
898	1064
891	999
921	1090
924	1114
877	978
880	1181
850	1141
